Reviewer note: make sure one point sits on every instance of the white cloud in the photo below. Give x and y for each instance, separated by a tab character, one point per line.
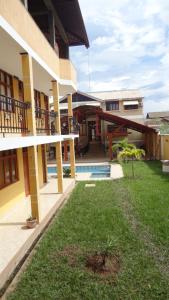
129	48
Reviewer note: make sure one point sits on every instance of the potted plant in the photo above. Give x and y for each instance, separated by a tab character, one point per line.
66	172
31	222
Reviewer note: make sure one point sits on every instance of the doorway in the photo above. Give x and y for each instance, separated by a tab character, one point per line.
91	130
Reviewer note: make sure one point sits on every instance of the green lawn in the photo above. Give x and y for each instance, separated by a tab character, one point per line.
149	195
91	218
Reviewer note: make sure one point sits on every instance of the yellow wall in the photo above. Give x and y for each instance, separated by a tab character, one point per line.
40	167
165	147
14	192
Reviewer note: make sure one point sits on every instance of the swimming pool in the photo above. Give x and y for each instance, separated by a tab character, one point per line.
97	171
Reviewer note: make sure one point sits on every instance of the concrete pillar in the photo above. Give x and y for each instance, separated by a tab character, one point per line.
34	181
15	84
72	158
71	142
70	112
55	89
59	166
27	72
44	158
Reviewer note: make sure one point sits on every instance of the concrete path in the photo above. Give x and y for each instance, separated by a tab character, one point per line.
116	171
15	238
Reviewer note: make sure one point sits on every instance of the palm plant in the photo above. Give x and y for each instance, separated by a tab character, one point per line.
123	144
131	154
126	152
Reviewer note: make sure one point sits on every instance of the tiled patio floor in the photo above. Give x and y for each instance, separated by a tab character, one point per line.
15	237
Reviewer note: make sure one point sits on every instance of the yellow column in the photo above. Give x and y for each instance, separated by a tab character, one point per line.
15	84
72	158
71	142
45	157
59	166
70	111
27	72
34	181
42	120
55	90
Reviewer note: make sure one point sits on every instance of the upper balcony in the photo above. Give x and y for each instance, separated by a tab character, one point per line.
14	118
15	14
45	30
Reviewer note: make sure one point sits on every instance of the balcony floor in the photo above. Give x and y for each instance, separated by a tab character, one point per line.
16	238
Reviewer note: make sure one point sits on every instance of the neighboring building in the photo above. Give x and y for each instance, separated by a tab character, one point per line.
124	103
106	117
157	120
34	63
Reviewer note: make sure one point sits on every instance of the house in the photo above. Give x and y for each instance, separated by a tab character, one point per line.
35	37
157	120
127	104
106	117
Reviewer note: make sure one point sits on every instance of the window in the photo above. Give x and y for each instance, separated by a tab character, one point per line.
112	105
8	167
132	106
6	91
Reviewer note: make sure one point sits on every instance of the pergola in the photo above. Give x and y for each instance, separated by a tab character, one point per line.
151	140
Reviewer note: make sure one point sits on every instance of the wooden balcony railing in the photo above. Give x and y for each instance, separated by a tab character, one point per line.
13	115
45	121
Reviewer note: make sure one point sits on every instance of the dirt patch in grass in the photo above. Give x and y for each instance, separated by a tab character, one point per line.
103	264
106	266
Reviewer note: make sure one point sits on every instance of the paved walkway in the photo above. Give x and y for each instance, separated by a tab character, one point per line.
95	153
15	238
116	171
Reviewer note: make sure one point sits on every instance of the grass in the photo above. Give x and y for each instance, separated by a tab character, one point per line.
91	218
149	197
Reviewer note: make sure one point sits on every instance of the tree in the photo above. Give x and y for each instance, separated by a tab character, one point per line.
123	144
131	154
126	152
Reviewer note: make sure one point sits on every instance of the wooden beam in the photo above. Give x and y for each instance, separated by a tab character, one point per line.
65	144
97	125
58	23
110	147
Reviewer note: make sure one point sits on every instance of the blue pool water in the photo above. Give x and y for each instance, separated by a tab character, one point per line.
97	171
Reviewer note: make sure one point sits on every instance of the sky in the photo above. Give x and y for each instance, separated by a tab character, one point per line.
129	48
